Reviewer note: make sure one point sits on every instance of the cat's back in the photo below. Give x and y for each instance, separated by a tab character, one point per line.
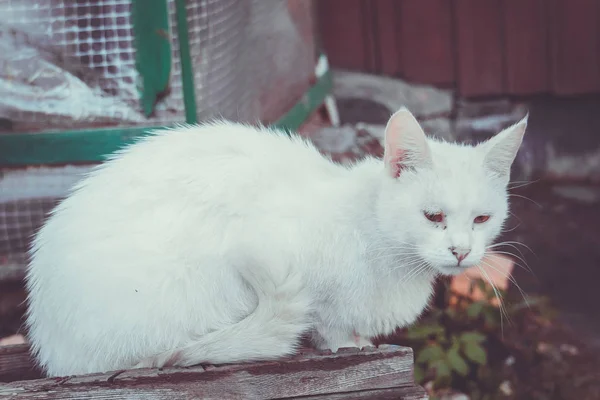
219	151
218	158
194	181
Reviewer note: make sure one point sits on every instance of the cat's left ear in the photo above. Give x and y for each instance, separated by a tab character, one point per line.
405	144
502	149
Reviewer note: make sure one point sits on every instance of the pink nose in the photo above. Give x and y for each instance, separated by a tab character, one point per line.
460	253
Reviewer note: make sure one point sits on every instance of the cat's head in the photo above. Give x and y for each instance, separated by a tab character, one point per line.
444	203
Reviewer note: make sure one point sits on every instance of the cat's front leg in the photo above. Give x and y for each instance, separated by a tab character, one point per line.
334	339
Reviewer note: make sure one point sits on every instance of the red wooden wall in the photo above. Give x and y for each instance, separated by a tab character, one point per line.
481	47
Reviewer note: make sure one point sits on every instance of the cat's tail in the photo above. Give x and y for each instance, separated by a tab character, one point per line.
271	331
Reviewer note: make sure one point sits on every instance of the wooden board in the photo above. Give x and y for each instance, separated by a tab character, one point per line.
16	363
407	393
478	32
575	46
482	47
342	28
388	37
527	50
370	37
426	41
311	373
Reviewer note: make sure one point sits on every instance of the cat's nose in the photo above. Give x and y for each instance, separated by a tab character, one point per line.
460	253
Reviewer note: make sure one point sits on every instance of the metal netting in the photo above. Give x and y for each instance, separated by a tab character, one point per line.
70	64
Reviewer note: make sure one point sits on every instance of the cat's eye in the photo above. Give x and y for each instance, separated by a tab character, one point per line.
481	219
435	217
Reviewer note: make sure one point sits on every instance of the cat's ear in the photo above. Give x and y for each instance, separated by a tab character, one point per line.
502	149
405	144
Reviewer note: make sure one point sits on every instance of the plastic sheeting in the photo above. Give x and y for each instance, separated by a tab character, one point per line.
70	64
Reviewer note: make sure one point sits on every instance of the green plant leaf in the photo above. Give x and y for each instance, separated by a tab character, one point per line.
456	361
475	337
430	353
492	316
475	353
451	312
474	310
443	375
442	369
455	340
483	286
419	374
491	295
424	331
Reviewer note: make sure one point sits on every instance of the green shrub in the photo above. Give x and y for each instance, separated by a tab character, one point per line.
461	345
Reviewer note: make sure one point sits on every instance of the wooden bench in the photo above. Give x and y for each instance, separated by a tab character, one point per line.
385	373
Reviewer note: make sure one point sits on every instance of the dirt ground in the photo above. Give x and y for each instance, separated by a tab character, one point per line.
559	222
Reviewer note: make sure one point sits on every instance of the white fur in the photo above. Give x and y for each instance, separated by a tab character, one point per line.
223	242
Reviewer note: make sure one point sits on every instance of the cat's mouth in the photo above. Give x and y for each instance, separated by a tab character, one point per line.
456	268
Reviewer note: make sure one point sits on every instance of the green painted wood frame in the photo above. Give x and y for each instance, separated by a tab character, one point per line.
150	20
88	146
93	145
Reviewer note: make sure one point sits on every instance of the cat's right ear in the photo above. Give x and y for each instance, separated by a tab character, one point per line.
405	144
502	149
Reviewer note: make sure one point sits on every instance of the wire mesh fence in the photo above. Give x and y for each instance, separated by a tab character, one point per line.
71	64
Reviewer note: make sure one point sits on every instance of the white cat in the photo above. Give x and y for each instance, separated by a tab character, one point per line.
222	243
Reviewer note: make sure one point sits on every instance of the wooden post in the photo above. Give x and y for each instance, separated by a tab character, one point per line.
372	373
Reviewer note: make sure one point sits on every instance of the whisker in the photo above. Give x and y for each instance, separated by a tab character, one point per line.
414	264
513	244
414	271
512	279
501	306
392	249
397	245
411	264
521	184
392	255
526	267
526	198
417	271
496	252
511	229
514	216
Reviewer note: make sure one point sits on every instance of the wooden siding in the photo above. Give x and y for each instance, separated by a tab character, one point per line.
481	47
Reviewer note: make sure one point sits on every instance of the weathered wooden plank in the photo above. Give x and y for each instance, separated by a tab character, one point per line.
342	27
370	37
16	363
308	374
426	41
527	47
406	393
388	36
478	34
575	33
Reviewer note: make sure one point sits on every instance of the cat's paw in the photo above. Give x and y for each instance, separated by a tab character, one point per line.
347	345
356	342
361	343
336	340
